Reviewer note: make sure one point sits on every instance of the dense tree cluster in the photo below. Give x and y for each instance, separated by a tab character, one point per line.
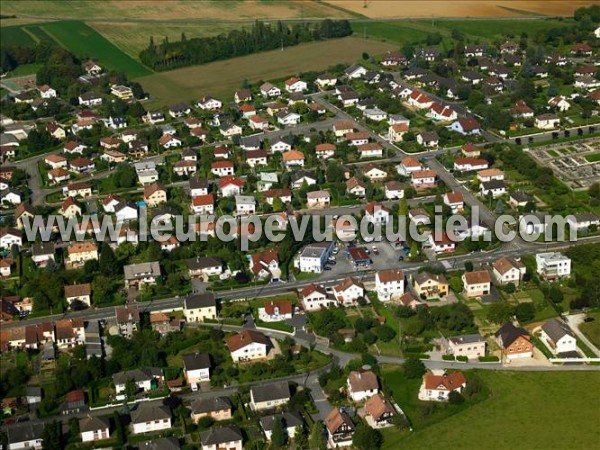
260	37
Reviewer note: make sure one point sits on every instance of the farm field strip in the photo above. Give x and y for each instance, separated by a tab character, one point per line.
221	78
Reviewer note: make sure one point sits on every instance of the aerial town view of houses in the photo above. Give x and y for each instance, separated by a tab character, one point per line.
343	117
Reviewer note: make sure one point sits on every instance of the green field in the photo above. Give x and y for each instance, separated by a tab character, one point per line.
593	158
527	410
80	39
15	37
400	32
496	29
592	329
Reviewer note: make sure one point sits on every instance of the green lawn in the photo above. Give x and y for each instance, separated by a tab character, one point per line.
25	69
400	32
492	29
592	329
527	410
595	157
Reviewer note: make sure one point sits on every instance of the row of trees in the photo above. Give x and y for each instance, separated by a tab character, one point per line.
260	37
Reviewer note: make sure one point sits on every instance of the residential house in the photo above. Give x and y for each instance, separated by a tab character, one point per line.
409	165
138	275
25	435
154	194
490	174
128	319
466	125
560	103
228	437
149	417
559	337
515	342
80	252
423	179
389	284
312	258
199	307
80	293
470	164
248	345
93	428
204	266
222	168
441	243
300	177
379	413
295	84
455	201
394	190
495	188
56	161
265	264
325	150
217	408
163	324
552	265
377	213
315	297
90	99
318	199
370	150
81	165
230	186
355	71
198	186
326	80
362	384
521	110
285	195
184	168
348	291
428	139
441	112
476	283
547	121
508	270
269	90
340	429
293	158
245	205
291	421
196	368
70	208
470	345
428	285
583	221
209	104
356	187
438	387
276	311
203	204
145	379
419	100
42	252
288	118
269	395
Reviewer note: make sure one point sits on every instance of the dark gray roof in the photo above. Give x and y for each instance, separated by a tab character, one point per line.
137	375
508	333
25	432
466	339
42	248
197	361
203	262
165	443
198	183
493	184
521	196
271	391
33	391
205	405
221	435
205	300
148	412
556	329
301	174
290	420
93	423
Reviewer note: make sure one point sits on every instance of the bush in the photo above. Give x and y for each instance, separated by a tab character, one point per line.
413	368
427	409
490	358
510	288
455	398
462	358
448	357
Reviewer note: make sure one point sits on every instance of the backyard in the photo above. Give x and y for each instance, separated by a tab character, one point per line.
513	404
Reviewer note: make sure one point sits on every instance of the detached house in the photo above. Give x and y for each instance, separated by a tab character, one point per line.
362	384
228	437
477	283
423	179
92	428
196	368
455	201
348	291
438	387
315	297
269	395
428	139
508	270
269	90
552	265
265	264
276	311
295	85
318	199
137	275
389	284
394	190
149	417
218	408
547	121
428	285
154	194
514	341
379	413
199	307
559	337
470	345
340	429
248	345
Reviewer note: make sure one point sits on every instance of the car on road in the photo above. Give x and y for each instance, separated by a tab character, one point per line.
327	268
332	263
375	250
401	258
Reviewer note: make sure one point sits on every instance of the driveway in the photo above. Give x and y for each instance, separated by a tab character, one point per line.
574	321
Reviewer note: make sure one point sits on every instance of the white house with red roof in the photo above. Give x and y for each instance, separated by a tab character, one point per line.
441	244
470	164
315	297
419	100
441	112
408	165
422	179
222	168
295	84
349	291
455	200
203	204
377	213
438	387
229	186
276	311
264	264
